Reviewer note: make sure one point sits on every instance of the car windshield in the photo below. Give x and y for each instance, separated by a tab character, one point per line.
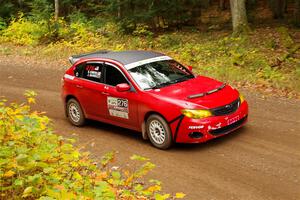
160	74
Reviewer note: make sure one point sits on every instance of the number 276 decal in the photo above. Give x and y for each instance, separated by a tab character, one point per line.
118	107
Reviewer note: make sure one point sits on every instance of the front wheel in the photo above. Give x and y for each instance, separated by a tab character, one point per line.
75	113
159	132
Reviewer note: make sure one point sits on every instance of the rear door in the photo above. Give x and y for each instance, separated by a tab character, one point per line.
90	88
121	106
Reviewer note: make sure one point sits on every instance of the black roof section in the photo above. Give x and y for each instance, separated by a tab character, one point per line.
124	57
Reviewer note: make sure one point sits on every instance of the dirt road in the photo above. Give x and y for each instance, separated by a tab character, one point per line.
259	161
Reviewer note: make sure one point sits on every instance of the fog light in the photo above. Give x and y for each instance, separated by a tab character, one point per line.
195	135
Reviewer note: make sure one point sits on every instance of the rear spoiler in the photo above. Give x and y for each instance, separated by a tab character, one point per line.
73	59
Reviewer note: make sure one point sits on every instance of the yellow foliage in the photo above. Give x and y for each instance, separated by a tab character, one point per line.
24	32
180	195
27	192
49	166
154	188
31	100
9	173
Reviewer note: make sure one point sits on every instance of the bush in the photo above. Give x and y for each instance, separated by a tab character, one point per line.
35	163
142	30
3	24
167	41
40	10
22	31
285	37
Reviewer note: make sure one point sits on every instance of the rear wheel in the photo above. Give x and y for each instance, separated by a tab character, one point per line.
75	113
159	132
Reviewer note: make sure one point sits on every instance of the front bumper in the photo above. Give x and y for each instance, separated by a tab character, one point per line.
187	130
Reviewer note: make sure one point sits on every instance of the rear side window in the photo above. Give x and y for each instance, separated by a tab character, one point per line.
92	72
79	70
113	76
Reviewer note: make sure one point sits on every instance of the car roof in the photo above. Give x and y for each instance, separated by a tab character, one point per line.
123	57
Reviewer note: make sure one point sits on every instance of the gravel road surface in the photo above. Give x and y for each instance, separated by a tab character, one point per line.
259	161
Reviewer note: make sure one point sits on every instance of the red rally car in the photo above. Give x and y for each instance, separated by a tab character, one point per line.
151	93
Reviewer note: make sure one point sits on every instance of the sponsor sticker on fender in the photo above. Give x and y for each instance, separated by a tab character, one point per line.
118	107
196	127
233	120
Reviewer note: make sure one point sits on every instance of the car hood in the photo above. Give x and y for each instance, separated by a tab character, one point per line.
197	93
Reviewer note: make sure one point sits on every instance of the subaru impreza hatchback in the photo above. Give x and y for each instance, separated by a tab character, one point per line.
152	93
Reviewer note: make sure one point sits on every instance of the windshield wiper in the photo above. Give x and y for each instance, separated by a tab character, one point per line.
184	78
171	82
161	85
158	86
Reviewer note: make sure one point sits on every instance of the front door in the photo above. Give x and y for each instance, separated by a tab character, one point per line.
121	106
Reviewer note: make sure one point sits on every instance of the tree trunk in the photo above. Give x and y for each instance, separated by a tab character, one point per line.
239	16
251	12
119	14
20	3
222	4
297	13
56	9
195	15
278	8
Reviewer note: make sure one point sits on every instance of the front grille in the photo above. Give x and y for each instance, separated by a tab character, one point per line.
227	109
228	128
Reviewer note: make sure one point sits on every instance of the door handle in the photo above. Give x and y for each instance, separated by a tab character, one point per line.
105	93
79	86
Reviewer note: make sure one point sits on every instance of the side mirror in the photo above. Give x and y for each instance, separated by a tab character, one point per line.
190	68
123	87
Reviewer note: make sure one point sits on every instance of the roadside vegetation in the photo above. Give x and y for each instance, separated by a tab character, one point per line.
35	163
265	57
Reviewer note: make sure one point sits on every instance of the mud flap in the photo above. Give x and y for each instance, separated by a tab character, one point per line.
144	132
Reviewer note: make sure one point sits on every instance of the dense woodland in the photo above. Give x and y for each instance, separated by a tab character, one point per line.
158	15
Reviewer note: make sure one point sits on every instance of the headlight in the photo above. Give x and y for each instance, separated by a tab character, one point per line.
196	114
242	98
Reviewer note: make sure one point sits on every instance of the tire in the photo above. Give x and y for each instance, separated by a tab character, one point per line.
75	113
159	132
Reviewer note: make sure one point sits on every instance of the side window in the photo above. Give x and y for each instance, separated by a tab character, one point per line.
113	76
78	70
93	72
